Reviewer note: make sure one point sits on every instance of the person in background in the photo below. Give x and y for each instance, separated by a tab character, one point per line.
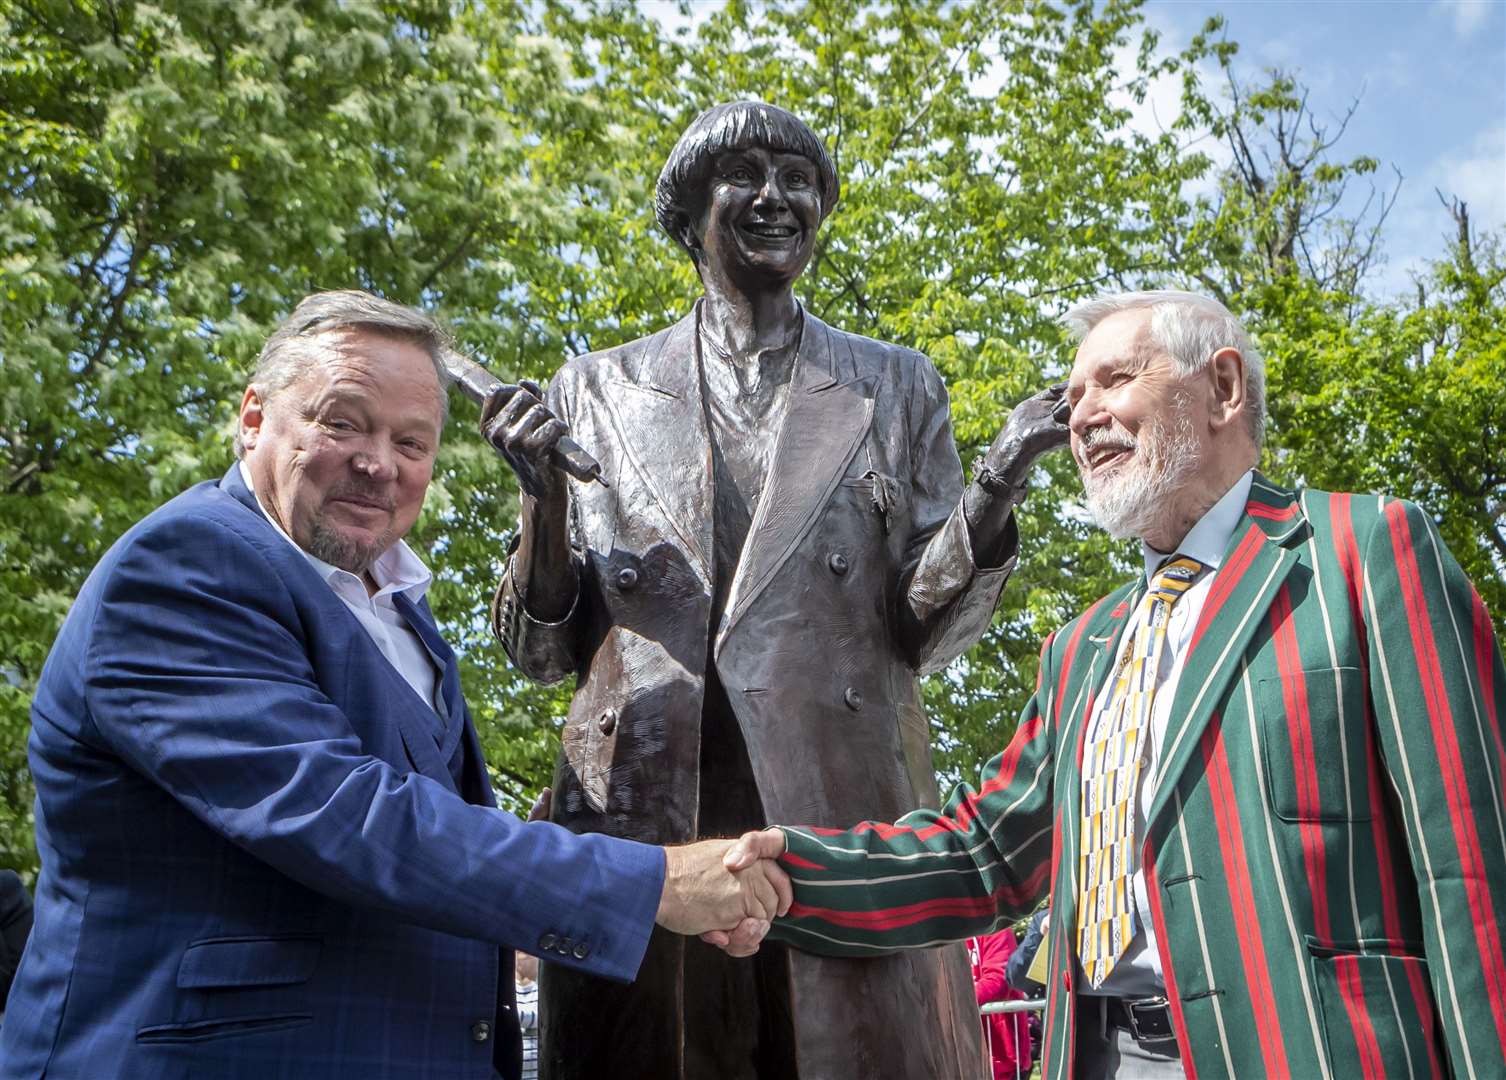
526	990
15	927
1017	972
1005	1035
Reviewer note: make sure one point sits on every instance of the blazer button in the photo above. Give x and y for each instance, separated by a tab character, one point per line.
853	698
606	723
627	579
581	950
546	943
838	563
563	948
481	1031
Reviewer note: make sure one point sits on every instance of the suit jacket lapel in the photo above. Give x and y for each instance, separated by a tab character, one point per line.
422	621
661	426
1261	553
1088	669
824	423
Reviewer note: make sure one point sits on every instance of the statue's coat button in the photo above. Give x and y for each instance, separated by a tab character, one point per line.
838	563
607	721
627	579
481	1031
853	698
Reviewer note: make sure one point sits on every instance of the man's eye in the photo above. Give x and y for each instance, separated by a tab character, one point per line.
739	176
797	180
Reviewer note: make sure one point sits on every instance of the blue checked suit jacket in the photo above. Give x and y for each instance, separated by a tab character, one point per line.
262	857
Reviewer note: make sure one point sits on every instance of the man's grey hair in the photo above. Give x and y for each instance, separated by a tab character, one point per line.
1189	328
733	125
288	352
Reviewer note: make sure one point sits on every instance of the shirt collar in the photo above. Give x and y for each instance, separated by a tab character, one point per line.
396	570
1210	536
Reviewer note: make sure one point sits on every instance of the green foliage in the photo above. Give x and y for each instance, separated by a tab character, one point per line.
173	176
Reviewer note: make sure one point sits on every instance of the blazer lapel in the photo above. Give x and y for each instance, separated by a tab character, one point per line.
824	423
661	425
1088	667
1261	553
422	621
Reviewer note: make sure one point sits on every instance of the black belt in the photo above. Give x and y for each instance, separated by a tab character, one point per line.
1148	1020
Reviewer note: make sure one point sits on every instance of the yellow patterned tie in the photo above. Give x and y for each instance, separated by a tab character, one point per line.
1116	747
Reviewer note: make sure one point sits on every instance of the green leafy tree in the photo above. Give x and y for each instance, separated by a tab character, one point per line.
174	176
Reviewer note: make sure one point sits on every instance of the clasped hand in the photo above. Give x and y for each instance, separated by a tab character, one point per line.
728	892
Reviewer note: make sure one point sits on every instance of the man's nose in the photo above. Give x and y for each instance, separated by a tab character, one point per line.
1087	413
376	460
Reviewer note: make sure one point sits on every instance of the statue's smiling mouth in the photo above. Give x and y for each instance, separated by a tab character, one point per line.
768	230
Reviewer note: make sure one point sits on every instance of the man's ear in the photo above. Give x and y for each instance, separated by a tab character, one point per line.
1226	371
251	417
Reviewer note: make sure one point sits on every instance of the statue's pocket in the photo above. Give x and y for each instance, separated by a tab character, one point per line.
882	493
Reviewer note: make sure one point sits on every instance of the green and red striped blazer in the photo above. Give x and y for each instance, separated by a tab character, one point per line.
1326	853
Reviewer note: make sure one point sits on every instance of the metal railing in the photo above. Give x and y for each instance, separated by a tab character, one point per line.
994	1008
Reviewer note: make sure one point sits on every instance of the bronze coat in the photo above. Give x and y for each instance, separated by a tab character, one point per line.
857	575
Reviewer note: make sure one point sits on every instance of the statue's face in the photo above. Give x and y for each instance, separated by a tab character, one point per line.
760	217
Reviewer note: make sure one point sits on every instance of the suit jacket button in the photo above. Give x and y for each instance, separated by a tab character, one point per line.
481	1031
546	943
607	721
627	579
581	950
853	698
837	562
563	948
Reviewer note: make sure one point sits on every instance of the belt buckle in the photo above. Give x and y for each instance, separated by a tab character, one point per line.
1131	1014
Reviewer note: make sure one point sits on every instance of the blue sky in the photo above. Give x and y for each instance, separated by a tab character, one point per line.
1430	79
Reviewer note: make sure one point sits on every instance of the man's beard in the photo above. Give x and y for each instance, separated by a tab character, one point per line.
1135	500
328	545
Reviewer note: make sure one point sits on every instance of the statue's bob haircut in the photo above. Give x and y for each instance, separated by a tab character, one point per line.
735	125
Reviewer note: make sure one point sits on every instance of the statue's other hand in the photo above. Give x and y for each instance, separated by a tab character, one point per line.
516	421
1037	426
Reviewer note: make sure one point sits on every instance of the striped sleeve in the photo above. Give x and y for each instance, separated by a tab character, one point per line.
1436	682
931	877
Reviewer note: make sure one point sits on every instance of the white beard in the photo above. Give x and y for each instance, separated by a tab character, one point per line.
1138	497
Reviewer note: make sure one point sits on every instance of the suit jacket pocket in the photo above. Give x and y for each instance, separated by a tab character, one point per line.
1312	735
230	962
1376	1010
198	1031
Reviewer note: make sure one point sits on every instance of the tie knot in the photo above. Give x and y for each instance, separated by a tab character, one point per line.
1175	577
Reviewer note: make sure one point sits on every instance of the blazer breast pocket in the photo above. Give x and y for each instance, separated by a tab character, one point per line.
1312	735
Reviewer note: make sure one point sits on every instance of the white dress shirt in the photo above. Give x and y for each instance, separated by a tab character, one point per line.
1138	973
396	570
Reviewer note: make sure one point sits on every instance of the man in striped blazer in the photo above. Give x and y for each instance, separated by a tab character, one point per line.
1262	782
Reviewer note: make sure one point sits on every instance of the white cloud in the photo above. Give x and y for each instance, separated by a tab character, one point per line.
1468	15
1419	229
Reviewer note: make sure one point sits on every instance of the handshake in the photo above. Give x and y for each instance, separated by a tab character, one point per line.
727	891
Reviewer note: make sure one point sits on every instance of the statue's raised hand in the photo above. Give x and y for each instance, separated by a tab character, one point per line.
516	421
1037	426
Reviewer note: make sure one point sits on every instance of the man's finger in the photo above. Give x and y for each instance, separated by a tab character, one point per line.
541	805
720	938
763	894
752	846
746	937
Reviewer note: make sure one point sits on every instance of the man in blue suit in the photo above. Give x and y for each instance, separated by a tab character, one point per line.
269	847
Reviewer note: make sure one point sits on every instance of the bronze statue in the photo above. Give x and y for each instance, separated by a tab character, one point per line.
783	546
